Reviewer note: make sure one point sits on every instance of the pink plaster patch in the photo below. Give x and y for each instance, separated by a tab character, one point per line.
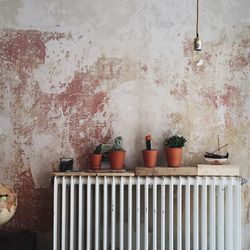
230	97
240	62
233	97
211	97
180	91
23	51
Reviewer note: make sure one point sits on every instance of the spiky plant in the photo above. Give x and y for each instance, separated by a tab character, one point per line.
98	149
117	144
148	142
175	141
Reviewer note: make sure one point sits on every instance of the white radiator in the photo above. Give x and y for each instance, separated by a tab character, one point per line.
147	213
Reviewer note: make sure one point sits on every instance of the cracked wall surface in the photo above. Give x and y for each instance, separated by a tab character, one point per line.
77	73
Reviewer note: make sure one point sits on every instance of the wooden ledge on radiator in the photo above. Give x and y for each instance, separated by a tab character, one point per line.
99	172
166	171
200	170
218	170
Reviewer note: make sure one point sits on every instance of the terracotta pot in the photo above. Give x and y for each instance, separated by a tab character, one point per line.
95	161
173	156
150	158
117	159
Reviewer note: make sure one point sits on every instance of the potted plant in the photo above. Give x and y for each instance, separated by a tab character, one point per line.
173	150
96	157
149	154
117	154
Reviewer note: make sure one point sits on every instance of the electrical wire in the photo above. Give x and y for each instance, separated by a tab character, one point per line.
197	18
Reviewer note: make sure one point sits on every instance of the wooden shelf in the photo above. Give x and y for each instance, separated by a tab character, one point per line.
217	170
166	171
200	170
101	172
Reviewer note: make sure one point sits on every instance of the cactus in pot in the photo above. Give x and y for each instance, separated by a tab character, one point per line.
96	158
173	150
149	154
117	154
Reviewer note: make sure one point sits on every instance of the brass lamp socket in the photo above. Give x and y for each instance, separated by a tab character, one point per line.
197	43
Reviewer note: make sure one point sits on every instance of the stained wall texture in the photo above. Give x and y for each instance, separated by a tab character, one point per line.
77	73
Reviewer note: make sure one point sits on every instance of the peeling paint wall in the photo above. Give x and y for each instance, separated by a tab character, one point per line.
76	73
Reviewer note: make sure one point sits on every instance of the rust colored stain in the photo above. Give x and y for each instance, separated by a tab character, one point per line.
81	91
231	97
180	91
188	47
239	62
212	97
82	101
240	57
20	53
24	50
106	69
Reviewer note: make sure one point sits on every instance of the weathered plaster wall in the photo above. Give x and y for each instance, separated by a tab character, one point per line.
76	73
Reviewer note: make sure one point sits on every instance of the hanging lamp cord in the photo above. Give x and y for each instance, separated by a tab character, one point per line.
197	18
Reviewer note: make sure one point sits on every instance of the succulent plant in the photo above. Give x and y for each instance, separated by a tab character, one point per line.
148	142
117	144
175	141
98	149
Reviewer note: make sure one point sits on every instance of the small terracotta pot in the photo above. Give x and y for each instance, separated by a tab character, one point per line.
173	156
117	159
150	158
95	161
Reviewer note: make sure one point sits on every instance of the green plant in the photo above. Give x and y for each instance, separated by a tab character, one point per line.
117	144
98	149
175	141
148	142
